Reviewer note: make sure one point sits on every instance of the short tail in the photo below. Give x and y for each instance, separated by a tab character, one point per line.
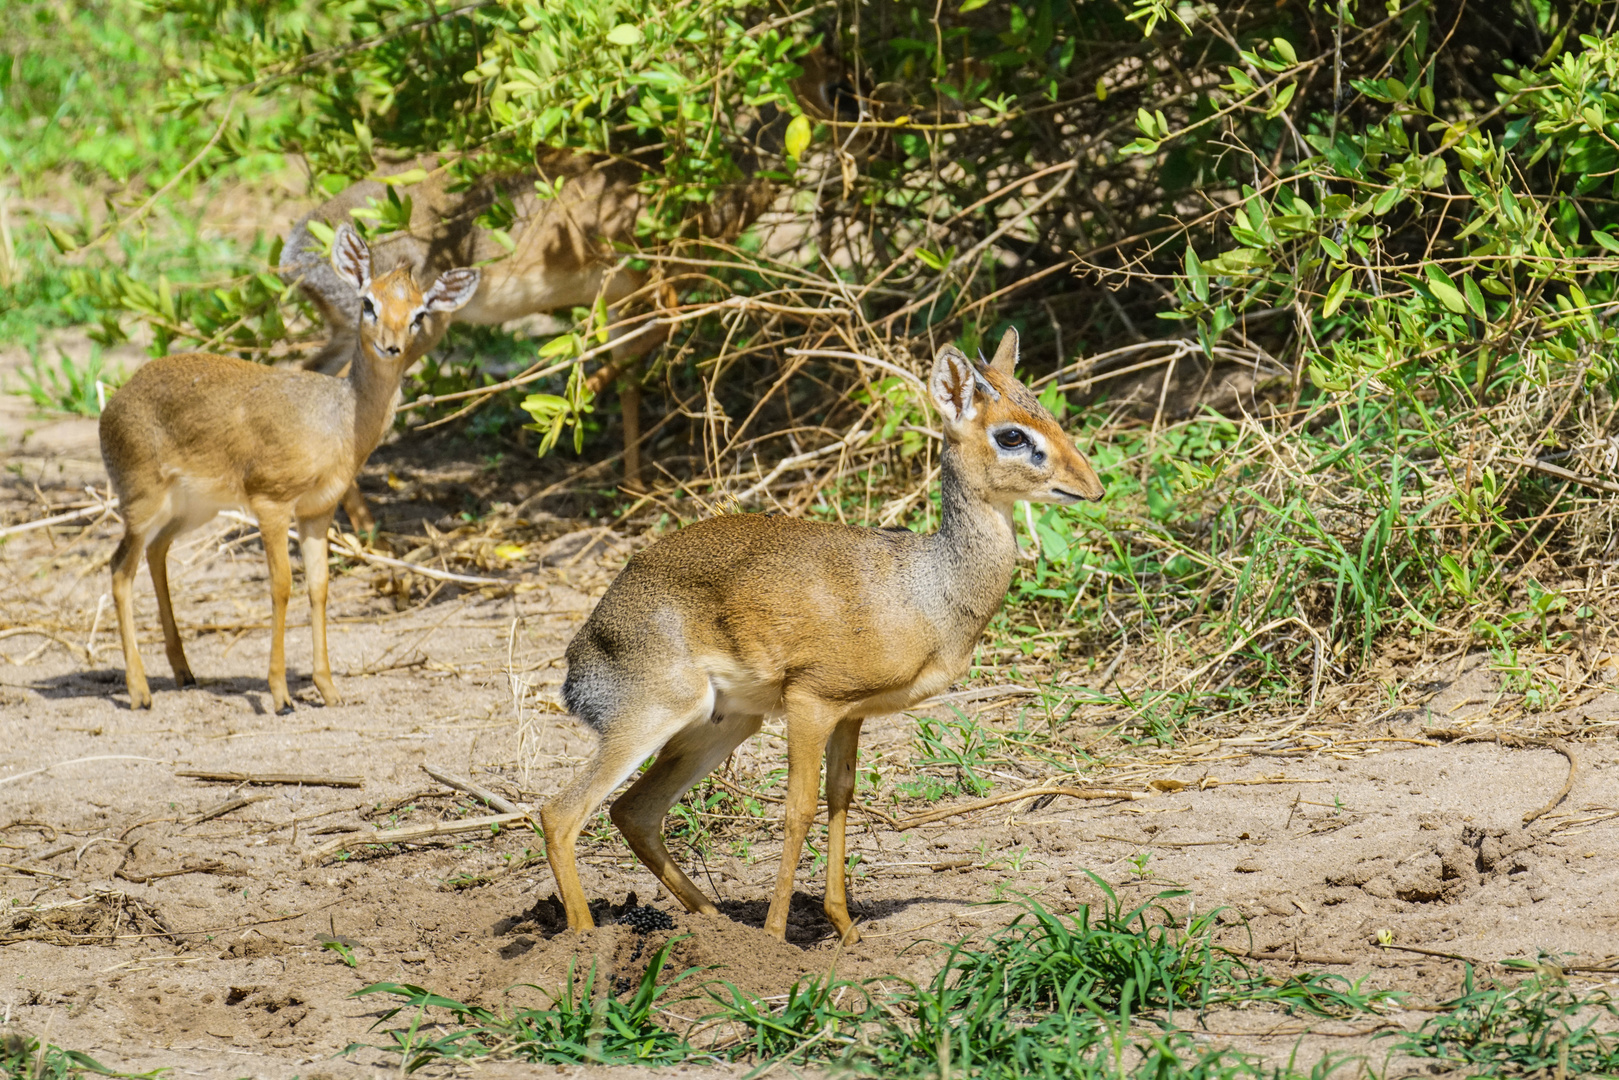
304	264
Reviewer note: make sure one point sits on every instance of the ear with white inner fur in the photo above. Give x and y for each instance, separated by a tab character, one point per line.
351	258
951	384
452	290
1006	356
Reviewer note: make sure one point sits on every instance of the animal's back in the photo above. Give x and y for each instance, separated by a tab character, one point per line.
215	416
762	605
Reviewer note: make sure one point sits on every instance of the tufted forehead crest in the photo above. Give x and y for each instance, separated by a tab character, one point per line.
397	286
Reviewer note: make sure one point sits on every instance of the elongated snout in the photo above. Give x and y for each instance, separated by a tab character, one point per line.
1075	479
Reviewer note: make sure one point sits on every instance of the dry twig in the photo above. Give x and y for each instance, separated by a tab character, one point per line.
411	834
300	779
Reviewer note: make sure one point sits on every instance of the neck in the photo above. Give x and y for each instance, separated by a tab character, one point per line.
375	384
974	554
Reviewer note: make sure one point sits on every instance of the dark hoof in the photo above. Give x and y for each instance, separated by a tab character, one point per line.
285	710
185	681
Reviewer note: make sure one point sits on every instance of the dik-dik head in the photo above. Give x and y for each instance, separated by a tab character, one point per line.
1011	447
398	322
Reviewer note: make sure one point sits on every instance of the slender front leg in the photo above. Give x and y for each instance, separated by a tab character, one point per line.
840	782
125	561
157	563
312	542
808	727
273	523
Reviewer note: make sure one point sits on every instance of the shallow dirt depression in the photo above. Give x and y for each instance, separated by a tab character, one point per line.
155	919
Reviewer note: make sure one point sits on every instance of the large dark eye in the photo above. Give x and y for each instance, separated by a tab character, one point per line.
419	321
1011	439
367	308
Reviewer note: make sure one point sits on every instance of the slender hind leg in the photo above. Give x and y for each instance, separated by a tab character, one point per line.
628	741
840	780
157	564
688	757
125	561
312	540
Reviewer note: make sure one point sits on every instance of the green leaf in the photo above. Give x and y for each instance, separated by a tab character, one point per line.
1337	292
62	239
1325	380
798	136
1445	289
1386	200
971	5
1284	49
1332	248
1282	101
1606	240
1198	277
1475	299
626	34
409	176
1241	261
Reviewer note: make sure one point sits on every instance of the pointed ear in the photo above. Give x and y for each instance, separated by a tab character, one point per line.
351	258
951	384
1006	356
452	290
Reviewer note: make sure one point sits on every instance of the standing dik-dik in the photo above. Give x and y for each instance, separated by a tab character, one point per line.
739	617
196	433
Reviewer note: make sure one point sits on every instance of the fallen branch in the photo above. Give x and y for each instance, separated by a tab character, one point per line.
1609	967
1520	742
341	545
304	779
226	807
27	631
498	802
59	519
1564	474
411	834
980	693
35	871
210	866
1568	785
1290	955
1430	952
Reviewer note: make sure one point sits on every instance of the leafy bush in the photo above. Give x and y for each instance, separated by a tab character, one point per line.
1388	232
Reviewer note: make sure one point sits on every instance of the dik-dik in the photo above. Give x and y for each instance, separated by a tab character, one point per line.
192	434
745	616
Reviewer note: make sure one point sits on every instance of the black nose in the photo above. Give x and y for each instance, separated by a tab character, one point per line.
392	350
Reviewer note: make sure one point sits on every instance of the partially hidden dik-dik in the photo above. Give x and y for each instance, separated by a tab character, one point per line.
193	434
737	618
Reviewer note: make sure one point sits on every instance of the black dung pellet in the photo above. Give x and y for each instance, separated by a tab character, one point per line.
643	920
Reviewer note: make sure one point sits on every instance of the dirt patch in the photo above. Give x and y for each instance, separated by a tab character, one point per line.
147	926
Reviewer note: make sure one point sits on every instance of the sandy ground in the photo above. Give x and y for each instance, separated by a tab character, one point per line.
144	926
